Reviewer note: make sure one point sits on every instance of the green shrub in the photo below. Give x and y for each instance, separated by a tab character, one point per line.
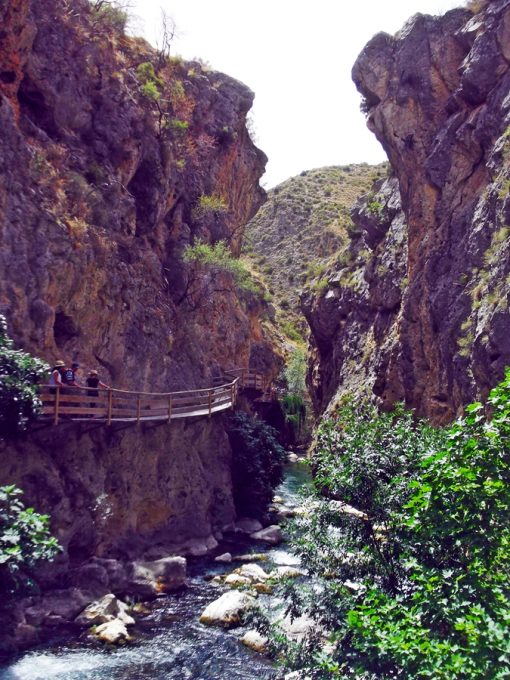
257	464
25	538
19	375
217	258
417	586
112	15
210	205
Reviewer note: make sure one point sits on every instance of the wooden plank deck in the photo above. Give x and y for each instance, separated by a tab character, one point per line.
111	405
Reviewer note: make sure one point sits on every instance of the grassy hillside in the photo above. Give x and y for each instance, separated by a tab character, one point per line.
303	224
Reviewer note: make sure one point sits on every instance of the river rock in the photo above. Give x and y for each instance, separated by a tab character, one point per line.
226	611
235	580
251	557
271	534
148	579
292	457
262	588
286	572
246	525
112	632
297	628
225	557
106	609
254	640
253	572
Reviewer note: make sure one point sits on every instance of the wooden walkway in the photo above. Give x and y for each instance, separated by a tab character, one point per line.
111	405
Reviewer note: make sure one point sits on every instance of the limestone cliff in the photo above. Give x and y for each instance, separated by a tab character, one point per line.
114	158
422	316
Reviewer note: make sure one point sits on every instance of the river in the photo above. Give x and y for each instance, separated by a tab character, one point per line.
169	642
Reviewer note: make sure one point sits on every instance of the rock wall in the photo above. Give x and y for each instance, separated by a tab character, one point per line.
430	293
115	158
125	491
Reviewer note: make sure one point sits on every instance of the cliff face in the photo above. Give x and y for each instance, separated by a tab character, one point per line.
430	298
114	159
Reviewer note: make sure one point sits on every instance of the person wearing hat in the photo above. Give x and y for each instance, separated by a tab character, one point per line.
94	382
57	374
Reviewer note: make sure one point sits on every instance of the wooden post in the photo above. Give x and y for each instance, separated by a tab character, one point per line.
232	398
169	408
210	402
56	405
138	409
110	403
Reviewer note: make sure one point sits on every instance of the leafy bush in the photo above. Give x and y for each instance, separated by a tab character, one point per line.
415	584
218	258
150	84
111	14
208	205
257	464
24	537
19	375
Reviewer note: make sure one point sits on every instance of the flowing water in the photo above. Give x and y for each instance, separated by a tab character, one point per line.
169	642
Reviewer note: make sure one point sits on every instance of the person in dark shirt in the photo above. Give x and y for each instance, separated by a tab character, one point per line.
70	375
94	382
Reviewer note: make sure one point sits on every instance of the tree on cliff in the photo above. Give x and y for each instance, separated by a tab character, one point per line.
19	374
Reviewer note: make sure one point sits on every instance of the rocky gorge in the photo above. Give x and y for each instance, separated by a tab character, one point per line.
416	309
116	158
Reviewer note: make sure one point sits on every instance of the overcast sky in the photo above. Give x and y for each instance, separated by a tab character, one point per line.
296	55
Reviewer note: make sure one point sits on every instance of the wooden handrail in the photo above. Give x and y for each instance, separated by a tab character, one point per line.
123	405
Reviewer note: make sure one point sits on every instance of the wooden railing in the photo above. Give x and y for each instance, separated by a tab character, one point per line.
109	405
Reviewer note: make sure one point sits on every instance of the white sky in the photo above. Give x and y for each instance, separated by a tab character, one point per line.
296	56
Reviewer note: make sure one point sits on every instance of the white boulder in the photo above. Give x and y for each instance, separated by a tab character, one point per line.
254	640
227	610
271	534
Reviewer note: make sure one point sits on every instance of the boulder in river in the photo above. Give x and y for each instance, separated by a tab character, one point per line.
253	572
254	640
246	525
272	535
148	579
227	610
235	580
112	632
106	609
225	557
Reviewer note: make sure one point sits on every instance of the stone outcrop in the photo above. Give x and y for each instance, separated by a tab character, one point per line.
419	309
115	159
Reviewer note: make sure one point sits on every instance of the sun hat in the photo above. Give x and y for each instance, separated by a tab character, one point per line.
93	372
59	363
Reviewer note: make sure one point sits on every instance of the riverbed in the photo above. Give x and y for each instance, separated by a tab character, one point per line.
169	642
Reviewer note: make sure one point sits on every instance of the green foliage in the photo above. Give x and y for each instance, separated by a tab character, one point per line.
375	208
178	125
217	258
25	538
150	84
292	332
417	586
150	91
295	372
257	464
112	15
210	205
19	375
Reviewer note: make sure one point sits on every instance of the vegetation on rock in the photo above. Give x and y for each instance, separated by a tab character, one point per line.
257	464
217	259
414	582
19	374
303	223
